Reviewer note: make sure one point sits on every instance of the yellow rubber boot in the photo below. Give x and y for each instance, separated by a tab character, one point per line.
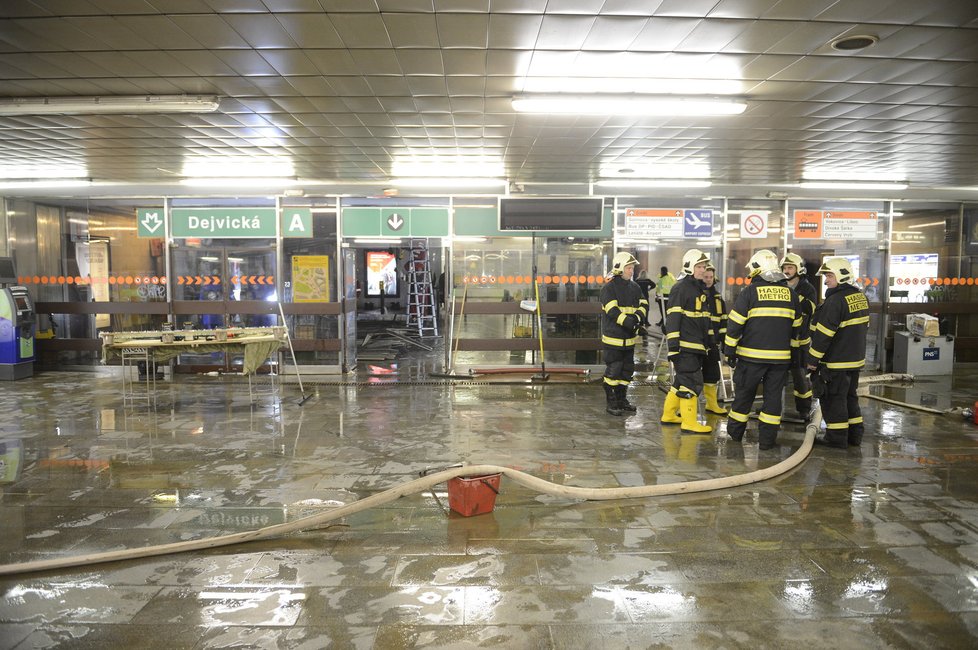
670	407
690	423
712	405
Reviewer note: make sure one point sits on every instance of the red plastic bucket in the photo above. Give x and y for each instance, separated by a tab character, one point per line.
473	495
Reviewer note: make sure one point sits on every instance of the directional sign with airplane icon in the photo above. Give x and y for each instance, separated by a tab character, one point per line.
698	223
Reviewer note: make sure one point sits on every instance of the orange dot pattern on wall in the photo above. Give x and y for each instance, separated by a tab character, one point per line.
528	279
87	279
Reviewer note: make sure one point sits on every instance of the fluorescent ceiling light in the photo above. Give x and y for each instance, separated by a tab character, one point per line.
448	167
43	184
238	166
625	85
853	176
676	182
627	105
23	173
828	185
108	105
222	181
658	170
448	182
469	238
377	240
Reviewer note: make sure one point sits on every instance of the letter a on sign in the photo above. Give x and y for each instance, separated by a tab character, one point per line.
297	222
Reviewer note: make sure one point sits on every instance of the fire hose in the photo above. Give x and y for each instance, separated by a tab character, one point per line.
427	482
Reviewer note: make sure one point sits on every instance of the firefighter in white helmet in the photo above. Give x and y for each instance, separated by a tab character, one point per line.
624	308
762	338
793	267
838	353
689	334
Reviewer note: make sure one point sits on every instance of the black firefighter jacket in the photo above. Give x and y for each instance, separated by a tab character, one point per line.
718	311
625	307
689	327
765	324
839	329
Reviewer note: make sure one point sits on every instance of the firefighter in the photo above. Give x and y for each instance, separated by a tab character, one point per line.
838	353
624	307
718	318
793	267
689	335
763	329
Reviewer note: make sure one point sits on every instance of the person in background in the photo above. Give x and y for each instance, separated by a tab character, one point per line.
623	307
666	282
763	329
793	267
718	317
647	286
689	334
837	354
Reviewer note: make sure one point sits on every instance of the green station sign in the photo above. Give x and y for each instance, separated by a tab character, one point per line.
224	223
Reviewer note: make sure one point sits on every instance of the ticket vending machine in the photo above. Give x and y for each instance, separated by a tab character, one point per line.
16	326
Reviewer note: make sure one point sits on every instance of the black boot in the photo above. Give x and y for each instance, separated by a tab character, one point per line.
612	407
767	436
855	435
828	440
623	402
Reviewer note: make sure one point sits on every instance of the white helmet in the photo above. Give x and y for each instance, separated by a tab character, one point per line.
761	261
797	260
693	257
839	266
620	261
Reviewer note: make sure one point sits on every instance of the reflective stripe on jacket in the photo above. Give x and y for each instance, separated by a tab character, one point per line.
688	324
765	323
624	307
839	328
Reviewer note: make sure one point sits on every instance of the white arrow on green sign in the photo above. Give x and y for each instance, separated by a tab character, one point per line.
149	222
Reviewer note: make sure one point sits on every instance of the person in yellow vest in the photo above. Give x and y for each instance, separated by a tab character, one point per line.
666	282
623	306
689	334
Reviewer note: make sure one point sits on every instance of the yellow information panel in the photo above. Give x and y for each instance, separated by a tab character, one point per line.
310	278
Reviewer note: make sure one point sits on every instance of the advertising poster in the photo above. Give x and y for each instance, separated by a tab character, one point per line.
310	278
912	274
381	269
93	261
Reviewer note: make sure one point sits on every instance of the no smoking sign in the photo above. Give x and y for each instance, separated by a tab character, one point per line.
753	224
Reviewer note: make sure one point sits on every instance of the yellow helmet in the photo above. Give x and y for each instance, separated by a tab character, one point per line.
797	260
761	261
840	266
693	257
620	261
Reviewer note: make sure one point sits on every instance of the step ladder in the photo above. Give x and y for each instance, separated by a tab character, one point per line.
421	307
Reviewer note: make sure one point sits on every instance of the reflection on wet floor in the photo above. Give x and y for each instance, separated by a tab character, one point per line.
875	547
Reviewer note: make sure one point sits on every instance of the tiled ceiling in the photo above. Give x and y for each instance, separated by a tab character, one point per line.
344	88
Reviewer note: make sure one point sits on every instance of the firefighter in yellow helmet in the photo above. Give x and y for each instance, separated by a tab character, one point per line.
838	353
624	308
689	335
763	330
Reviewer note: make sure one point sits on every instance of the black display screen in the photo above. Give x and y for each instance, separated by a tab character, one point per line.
551	214
7	273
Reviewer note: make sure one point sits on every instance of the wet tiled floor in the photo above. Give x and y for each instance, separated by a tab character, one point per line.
875	547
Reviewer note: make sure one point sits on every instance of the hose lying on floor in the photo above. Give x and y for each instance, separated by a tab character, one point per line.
427	482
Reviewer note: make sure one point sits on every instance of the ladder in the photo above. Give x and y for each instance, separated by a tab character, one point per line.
421	307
